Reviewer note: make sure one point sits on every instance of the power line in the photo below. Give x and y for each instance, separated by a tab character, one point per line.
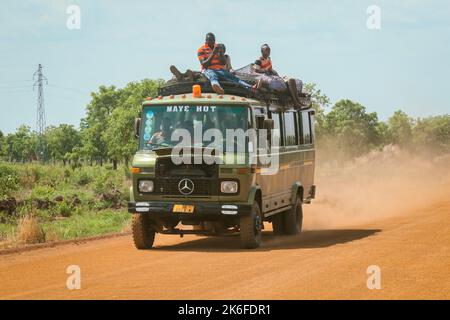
16	81
15	87
65	97
70	89
15	91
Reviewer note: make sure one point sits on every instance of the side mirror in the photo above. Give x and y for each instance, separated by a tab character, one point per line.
137	127
259	119
268	124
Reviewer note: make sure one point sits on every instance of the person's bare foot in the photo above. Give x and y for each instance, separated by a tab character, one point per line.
218	89
189	75
178	75
259	84
294	93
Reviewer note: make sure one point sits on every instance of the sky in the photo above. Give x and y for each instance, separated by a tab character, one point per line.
405	64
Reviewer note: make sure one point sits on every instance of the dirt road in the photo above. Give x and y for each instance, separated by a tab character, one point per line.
413	253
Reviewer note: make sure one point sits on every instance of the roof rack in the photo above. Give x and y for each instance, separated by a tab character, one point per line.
266	96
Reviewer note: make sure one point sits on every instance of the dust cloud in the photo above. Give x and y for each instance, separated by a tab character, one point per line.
380	185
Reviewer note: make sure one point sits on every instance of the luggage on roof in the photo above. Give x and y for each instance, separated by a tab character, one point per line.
265	95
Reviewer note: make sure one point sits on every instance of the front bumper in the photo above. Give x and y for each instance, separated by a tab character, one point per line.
202	210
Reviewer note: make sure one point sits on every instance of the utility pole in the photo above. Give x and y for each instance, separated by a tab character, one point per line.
40	123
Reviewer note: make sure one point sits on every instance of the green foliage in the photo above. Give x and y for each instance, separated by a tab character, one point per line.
61	141
400	129
42	192
82	177
106	182
63	209
349	130
107	130
3	149
88	225
320	102
21	145
9	181
432	134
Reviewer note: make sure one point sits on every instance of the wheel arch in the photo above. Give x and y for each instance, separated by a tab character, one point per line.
297	191
255	195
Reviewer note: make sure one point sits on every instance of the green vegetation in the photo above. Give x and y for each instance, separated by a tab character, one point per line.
65	203
347	130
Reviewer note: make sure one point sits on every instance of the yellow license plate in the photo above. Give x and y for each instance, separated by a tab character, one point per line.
183	208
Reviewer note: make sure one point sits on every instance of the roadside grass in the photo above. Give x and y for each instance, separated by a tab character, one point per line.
51	202
88	225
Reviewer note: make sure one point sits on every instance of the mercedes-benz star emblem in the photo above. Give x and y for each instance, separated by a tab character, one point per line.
186	186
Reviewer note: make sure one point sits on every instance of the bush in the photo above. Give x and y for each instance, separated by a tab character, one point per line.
63	209
42	192
106	182
67	173
82	177
9	181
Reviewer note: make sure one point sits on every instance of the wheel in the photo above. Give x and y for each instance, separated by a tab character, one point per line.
293	219
278	224
251	225
143	234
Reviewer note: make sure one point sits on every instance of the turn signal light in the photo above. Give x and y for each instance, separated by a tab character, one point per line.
135	170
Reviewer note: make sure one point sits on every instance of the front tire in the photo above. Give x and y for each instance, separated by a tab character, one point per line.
293	219
143	234
251	226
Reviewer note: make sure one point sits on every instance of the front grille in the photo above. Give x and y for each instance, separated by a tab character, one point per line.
168	176
166	168
202	186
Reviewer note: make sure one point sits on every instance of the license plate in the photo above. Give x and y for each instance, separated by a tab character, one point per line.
183	208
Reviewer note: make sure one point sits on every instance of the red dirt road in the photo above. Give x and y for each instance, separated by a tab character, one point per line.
413	253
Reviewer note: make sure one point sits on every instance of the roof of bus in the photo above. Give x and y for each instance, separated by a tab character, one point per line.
206	98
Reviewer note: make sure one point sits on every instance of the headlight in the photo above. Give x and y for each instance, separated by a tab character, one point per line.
145	186
229	187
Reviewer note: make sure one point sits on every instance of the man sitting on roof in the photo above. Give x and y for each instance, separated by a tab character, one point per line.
212	59
270	78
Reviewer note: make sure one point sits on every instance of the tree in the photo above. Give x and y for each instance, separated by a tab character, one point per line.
319	103
432	134
93	126
98	131
400	129
2	145
21	145
119	134
350	130
61	141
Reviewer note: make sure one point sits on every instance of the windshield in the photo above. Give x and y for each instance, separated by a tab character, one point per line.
159	123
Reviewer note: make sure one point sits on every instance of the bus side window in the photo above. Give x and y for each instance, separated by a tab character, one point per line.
305	136
275	116
290	131
311	126
256	112
298	117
